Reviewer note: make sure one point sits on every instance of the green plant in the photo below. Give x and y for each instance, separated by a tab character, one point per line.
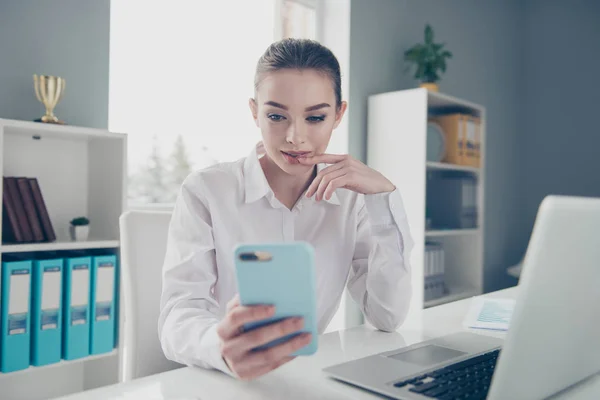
80	221
429	58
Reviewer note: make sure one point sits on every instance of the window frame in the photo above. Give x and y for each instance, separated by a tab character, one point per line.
316	5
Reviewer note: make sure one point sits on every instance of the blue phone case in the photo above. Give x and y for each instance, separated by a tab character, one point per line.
286	281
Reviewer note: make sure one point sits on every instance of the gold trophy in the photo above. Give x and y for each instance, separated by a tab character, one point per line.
49	90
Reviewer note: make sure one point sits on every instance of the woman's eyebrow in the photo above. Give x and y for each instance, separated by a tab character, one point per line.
311	108
275	104
317	107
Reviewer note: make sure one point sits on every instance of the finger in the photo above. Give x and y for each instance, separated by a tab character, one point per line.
276	353
233	303
326	181
323	158
237	317
254	373
312	188
335	184
261	336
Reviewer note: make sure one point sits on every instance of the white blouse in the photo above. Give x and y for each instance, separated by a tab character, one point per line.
362	241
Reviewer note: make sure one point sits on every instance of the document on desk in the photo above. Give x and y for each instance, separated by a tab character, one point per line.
494	314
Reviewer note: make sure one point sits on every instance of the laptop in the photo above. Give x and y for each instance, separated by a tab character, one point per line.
553	341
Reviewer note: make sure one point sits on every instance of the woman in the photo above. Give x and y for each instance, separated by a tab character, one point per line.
283	191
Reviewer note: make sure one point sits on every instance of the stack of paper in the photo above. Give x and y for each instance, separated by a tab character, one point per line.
486	313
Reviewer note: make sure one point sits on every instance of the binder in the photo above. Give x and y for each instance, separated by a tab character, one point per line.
102	320
13	191
29	205
11	230
76	308
46	313
42	211
15	310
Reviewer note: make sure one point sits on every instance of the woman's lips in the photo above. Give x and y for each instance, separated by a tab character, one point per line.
291	157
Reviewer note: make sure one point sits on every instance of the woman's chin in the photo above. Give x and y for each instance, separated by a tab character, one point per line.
295	169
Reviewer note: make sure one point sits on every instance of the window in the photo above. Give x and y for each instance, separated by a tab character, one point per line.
299	19
181	74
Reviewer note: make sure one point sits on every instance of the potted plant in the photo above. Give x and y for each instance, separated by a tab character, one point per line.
79	229
429	58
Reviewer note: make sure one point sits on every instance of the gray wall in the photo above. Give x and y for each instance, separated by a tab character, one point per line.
561	135
485	38
68	38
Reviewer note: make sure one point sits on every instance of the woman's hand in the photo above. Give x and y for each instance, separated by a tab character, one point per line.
345	172
236	345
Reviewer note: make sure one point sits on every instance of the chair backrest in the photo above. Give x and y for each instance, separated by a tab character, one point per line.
143	247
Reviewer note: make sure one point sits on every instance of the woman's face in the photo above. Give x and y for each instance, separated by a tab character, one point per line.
296	113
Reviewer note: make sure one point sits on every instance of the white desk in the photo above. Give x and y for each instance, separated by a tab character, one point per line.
303	378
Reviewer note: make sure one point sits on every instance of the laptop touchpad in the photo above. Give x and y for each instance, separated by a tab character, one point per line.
427	355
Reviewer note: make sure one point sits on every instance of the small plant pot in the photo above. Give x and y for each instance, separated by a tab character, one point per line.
431	86
79	233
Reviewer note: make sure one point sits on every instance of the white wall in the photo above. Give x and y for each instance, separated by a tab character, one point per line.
68	38
560	139
485	38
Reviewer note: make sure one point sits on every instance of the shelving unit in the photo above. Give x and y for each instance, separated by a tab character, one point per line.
450	167
56	246
397	143
62	363
81	171
452	232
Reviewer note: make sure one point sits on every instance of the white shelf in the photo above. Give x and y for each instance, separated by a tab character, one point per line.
81	172
54	131
401	157
452	167
454	295
55	246
441	100
452	232
59	364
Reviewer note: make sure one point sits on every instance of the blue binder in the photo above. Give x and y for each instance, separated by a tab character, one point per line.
46	312
102	339
76	308
16	291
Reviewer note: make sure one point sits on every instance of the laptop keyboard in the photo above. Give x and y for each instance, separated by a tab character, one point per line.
469	379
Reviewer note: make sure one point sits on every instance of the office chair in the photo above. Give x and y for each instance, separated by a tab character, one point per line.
143	246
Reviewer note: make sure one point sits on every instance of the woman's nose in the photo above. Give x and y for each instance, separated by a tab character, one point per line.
296	134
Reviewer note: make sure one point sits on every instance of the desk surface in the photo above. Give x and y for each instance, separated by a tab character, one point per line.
303	378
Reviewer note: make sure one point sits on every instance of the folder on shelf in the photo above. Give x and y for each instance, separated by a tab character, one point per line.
11	229
46	313
76	308
40	206
15	311
102	338
462	133
13	191
30	211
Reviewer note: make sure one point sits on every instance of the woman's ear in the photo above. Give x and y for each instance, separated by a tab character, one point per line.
254	110
339	114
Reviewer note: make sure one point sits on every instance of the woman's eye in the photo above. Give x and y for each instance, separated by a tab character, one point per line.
316	118
275	117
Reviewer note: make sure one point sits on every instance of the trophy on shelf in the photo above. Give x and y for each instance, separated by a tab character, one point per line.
49	90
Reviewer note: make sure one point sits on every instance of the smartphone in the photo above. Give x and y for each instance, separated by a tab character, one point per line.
282	275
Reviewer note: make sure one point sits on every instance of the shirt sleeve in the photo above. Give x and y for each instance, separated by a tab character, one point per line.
380	276
189	311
